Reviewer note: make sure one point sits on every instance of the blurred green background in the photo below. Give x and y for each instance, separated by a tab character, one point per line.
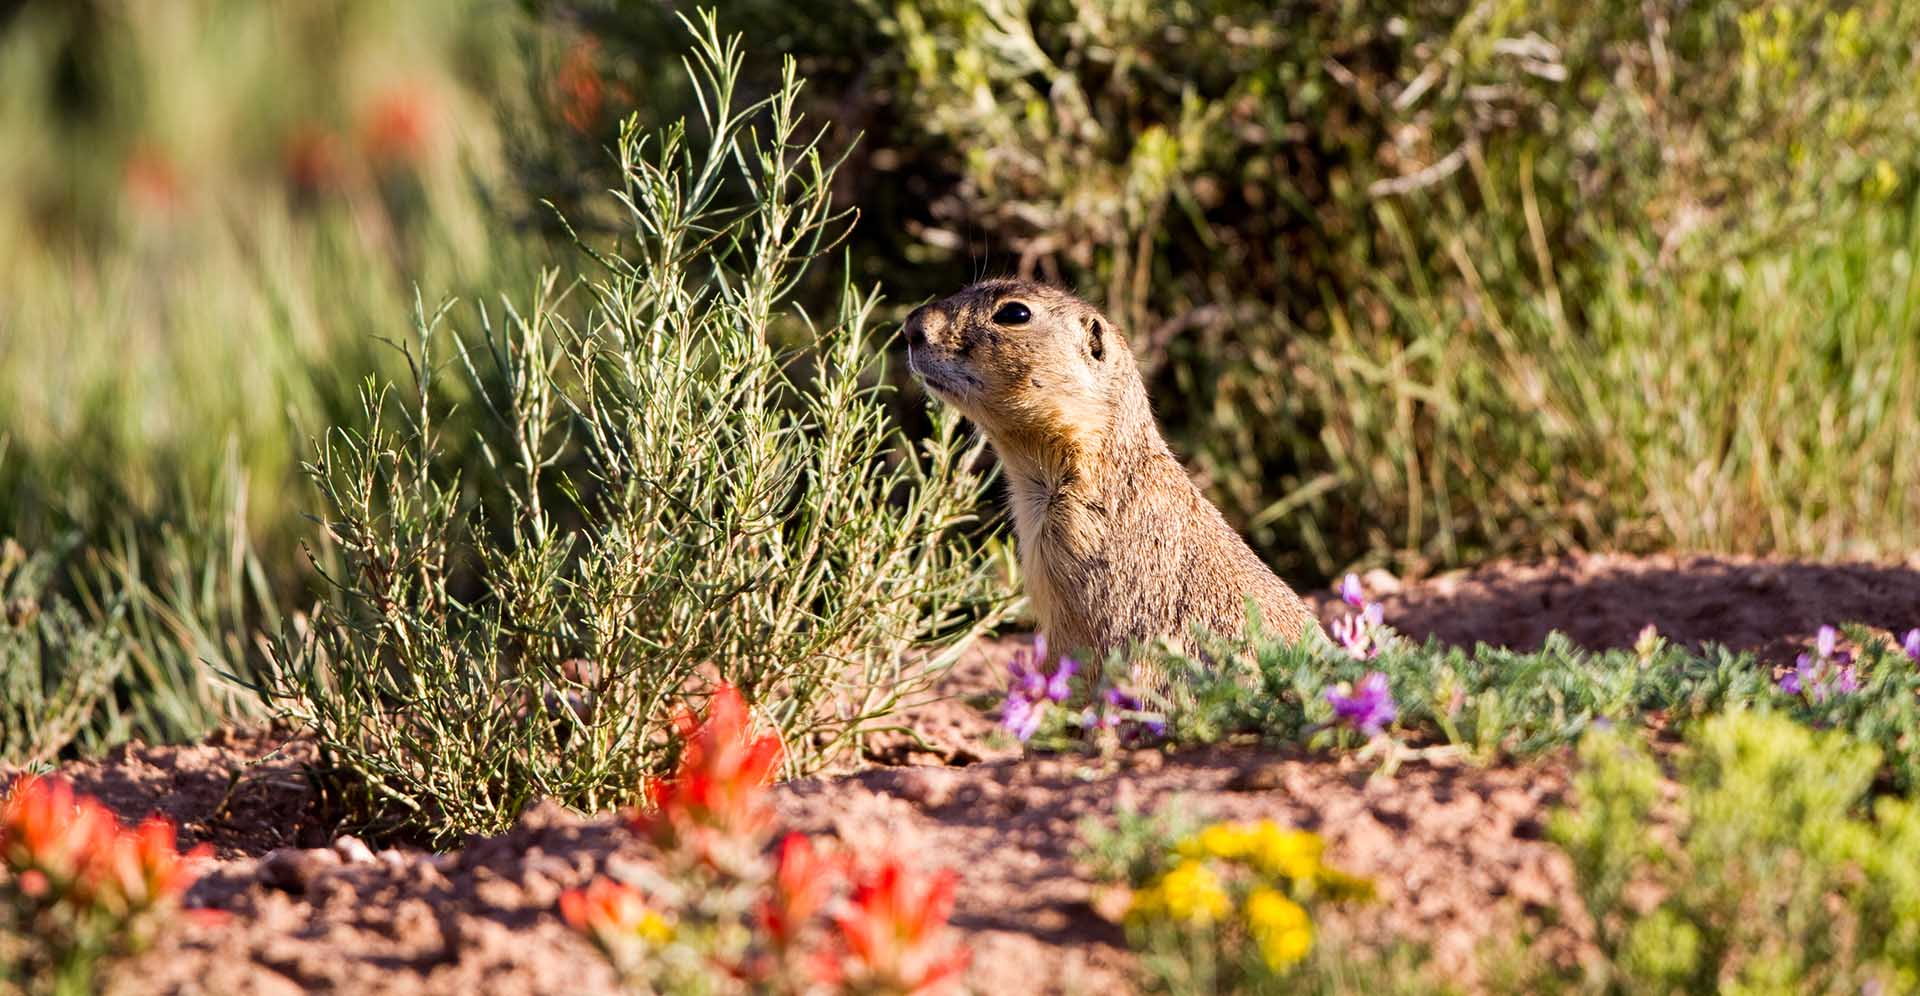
1416	284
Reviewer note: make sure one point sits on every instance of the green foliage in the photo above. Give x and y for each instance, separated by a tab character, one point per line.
1763	875
1435	281
219	205
686	480
1492	702
56	665
208	210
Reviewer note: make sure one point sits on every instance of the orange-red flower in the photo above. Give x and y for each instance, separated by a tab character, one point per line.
895	931
313	159
143	869
44	827
802	882
578	89
151	182
400	125
719	789
613	913
55	840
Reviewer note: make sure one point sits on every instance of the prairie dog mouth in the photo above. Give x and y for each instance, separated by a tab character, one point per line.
938	377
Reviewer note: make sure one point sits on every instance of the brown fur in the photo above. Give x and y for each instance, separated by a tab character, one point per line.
1116	543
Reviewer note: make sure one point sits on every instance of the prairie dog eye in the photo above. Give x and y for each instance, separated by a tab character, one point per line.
1012	313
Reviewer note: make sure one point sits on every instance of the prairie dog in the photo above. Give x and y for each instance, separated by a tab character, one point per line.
1116	543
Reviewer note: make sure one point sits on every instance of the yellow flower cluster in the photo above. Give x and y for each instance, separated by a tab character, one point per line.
1278	867
1267	846
1191	894
1280	927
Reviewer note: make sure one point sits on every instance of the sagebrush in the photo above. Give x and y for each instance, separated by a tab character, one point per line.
683	479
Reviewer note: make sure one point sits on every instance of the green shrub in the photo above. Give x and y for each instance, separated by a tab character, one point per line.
686	479
1763	875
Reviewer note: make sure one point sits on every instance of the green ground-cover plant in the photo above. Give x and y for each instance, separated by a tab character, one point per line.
1367	685
1772	870
690	480
1753	857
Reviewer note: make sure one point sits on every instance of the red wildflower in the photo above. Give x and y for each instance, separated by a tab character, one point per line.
801	885
44	827
54	839
399	125
151	183
142	868
578	88
895	931
613	913
313	160
719	788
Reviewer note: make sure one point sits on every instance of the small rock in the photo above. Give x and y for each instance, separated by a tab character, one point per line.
353	850
292	869
1259	778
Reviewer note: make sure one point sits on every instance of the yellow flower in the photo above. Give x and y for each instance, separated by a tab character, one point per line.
654	929
1279	927
1294	854
1884	181
1191	893
1227	841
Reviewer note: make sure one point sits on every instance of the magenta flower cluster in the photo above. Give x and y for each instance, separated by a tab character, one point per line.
1826	672
1911	645
1367	706
1359	634
1030	689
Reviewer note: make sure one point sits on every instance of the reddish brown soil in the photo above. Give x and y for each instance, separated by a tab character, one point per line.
1599	600
1455	849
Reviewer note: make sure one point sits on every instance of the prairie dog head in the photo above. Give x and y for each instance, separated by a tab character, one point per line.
1032	365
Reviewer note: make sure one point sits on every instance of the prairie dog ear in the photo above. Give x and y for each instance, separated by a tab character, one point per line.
1096	338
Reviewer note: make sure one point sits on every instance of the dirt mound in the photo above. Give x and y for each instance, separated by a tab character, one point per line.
244	792
1599	600
1456	850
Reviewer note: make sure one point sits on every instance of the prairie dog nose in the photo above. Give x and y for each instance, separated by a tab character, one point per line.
916	327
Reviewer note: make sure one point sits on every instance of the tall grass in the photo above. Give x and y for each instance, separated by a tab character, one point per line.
1759	404
210	213
1423	283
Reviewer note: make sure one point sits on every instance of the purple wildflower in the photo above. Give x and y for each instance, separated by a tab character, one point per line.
1369	707
1119	702
1030	689
1350	591
1359	634
1021	717
1912	645
1826	672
